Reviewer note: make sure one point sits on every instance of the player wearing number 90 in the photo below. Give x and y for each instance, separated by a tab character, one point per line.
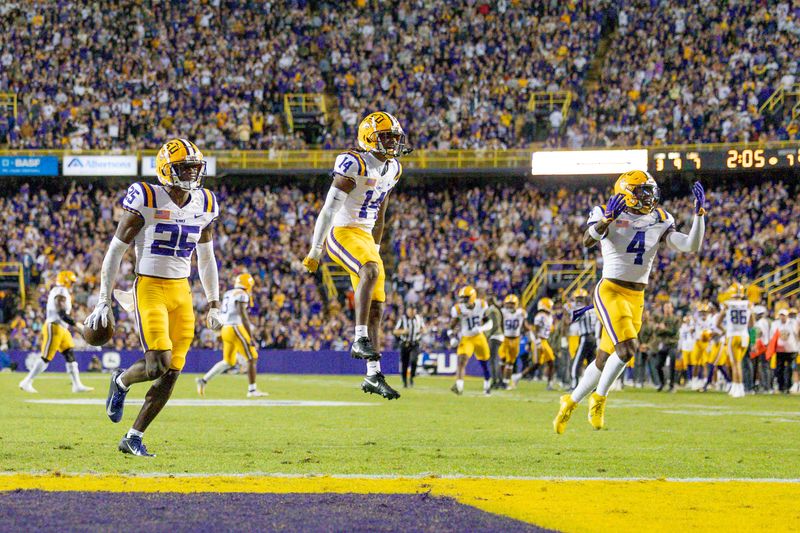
629	229
351	225
166	223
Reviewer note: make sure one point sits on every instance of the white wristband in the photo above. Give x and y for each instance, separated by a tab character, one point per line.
594	235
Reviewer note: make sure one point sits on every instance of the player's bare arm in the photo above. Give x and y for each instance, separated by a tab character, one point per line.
377	231
597	231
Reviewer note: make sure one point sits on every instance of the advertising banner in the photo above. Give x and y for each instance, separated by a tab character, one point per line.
28	166
100	165
149	166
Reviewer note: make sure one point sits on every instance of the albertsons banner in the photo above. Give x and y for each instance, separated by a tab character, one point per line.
100	165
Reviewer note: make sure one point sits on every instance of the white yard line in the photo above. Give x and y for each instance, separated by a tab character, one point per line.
211	403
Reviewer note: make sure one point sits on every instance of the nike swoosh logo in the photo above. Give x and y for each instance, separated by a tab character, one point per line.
108	411
198	216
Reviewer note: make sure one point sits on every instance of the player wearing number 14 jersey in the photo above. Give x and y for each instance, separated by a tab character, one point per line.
166	223
629	228
350	225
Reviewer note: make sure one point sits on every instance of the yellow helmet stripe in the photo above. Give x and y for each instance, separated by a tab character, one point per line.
149	195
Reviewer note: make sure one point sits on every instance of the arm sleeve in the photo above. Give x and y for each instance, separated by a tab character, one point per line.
692	242
333	202
108	272
453	312
207	268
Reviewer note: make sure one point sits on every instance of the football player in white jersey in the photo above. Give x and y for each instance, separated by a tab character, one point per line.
703	334
469	315
685	346
237	337
165	223
542	353
737	318
56	336
351	224
629	228
514	323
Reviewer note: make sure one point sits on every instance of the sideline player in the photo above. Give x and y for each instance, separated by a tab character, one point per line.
541	351
56	336
629	229
351	224
237	337
514	323
703	333
470	314
737	319
166	223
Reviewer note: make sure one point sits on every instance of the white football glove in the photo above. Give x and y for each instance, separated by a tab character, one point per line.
99	316
453	342
212	319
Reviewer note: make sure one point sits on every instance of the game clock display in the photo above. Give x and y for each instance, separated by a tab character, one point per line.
724	159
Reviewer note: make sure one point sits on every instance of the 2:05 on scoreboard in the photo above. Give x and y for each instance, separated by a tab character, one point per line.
724	159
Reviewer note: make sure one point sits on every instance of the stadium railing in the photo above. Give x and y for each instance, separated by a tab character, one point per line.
13	274
780	283
558	272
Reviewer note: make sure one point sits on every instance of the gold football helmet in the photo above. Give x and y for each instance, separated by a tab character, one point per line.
545	304
468	295
180	163
639	189
381	133
244	281
580	293
511	301
737	290
66	278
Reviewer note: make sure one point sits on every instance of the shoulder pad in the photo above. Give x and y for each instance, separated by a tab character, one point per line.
210	202
350	164
138	196
596	215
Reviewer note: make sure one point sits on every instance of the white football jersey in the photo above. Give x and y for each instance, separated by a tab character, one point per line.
737	317
229	310
686	337
166	243
374	179
512	322
471	320
52	309
703	324
543	325
631	244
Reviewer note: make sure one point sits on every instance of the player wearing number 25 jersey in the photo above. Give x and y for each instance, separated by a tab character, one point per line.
350	225
166	223
629	228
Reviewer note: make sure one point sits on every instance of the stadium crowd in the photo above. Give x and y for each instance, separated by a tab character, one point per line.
127	75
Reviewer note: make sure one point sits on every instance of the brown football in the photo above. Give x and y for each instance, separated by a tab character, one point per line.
101	335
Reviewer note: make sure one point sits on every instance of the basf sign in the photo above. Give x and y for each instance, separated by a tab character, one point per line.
100	165
28	166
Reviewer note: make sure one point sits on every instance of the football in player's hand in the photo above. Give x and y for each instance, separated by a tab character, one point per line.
101	335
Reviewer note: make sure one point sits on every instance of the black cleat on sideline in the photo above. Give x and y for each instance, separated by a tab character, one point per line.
363	349
377	385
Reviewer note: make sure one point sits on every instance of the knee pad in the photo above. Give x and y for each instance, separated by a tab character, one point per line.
69	356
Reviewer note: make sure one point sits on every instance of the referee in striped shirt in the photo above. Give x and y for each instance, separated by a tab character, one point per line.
409	328
586	327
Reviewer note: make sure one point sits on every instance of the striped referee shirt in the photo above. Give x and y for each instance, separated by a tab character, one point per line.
413	327
587	323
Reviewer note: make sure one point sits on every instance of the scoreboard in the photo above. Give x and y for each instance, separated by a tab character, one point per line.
723	159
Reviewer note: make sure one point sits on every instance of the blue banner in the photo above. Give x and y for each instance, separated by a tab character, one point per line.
28	166
269	361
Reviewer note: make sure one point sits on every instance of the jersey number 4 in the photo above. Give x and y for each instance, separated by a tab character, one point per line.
637	247
177	241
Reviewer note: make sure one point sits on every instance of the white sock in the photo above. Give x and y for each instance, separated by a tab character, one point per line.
373	367
120	384
74	374
216	370
587	383
133	433
361	331
614	367
460	385
252	387
487	384
38	367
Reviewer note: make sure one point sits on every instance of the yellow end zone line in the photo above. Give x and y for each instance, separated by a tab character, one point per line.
568	505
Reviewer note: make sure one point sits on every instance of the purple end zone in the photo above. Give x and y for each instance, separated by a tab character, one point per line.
34	510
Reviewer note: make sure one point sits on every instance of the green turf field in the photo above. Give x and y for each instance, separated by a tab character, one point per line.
429	430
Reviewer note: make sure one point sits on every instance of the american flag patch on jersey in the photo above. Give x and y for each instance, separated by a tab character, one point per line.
162	214
371	182
622	223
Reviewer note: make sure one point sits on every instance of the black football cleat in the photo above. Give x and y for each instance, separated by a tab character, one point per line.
363	349
377	385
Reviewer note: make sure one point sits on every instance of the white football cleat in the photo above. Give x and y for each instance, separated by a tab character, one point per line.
81	388
201	386
257	394
27	386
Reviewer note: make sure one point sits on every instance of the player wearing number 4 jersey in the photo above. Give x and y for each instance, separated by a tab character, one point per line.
351	226
166	223
629	228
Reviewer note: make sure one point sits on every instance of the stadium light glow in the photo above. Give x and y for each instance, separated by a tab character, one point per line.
587	162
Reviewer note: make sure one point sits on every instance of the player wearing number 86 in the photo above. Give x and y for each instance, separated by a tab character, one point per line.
350	225
629	228
166	223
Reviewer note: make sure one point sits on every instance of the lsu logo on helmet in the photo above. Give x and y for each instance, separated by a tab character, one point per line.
180	163
381	133
639	189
